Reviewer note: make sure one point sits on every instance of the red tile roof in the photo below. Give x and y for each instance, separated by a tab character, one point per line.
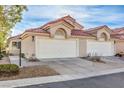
15	37
94	30
37	30
41	30
117	36
118	33
60	19
118	30
80	33
87	32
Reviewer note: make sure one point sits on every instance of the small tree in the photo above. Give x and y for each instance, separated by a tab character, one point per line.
9	16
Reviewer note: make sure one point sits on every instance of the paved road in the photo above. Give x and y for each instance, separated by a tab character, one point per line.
106	81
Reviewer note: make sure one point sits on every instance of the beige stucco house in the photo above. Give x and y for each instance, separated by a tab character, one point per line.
62	38
13	43
118	36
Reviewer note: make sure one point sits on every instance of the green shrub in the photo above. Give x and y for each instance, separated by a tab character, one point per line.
8	69
10	54
1	56
119	54
22	55
4	53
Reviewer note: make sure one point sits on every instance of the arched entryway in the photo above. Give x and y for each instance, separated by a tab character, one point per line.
103	36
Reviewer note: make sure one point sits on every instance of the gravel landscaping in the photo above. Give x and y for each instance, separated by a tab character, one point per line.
95	59
34	71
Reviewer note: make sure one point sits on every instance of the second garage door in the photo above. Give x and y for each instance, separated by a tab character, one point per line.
51	48
100	48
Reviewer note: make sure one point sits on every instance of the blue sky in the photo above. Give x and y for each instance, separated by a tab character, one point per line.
88	16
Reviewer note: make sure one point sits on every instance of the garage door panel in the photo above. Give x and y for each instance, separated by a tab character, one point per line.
100	48
55	48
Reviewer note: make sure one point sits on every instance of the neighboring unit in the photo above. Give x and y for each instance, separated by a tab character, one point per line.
118	36
13	45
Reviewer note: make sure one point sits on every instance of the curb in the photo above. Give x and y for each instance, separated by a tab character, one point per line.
57	78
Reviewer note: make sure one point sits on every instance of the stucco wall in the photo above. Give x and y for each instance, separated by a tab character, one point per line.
11	49
119	46
28	47
82	47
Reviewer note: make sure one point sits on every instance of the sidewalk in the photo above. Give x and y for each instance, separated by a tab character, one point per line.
5	60
24	63
43	80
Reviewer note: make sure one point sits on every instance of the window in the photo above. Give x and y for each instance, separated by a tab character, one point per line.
60	33
103	37
114	41
15	44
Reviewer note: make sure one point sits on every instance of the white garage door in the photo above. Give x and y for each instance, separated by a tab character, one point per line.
47	48
100	48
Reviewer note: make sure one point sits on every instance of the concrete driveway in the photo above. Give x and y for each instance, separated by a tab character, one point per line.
72	65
